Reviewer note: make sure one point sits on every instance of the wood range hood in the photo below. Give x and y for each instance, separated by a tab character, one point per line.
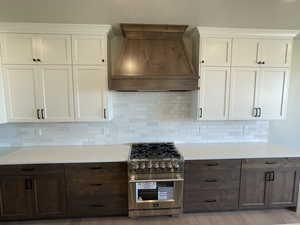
153	58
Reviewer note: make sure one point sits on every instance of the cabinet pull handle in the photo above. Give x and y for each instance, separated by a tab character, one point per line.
38	114
97	206
270	163
103	60
200	112
96	184
267	176
43	113
259	112
202	61
96	168
28	169
212	200
104	113
212	164
255	112
211	180
263	62
34	60
39	60
272	176
259	62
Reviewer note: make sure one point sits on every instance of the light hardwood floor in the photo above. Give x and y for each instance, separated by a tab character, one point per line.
261	217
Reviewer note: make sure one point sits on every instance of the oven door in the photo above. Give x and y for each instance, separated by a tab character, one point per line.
156	193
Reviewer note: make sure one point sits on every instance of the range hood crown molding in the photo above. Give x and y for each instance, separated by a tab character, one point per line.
153	58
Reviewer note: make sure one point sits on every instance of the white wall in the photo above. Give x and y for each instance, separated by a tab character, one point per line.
239	13
288	131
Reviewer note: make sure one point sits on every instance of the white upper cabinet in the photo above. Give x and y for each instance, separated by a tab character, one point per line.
215	51
213	93
55	49
91	93
19	49
245	52
275	53
89	50
20	85
261	52
242	93
56	93
272	93
3	115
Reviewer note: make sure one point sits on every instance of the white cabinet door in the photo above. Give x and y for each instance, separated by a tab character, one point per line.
89	50
91	93
245	52
3	115
275	53
214	93
54	49
56	92
20	86
272	93
242	93
215	51
19	49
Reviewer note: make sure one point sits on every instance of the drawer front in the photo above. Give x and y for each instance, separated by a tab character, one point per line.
29	170
204	165
215	180
97	190
265	163
210	200
98	207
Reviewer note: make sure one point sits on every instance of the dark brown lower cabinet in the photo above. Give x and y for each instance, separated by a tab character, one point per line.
39	194
16	198
268	183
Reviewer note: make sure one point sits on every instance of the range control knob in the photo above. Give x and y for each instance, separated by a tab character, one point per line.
142	166
136	166
156	165
176	165
170	165
150	165
162	165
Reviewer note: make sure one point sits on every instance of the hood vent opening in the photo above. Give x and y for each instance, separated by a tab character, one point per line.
153	58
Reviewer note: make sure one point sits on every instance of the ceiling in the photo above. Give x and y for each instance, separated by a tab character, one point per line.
226	13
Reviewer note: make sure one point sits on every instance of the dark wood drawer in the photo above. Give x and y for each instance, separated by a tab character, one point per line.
204	165
214	180
97	190
210	200
266	163
30	170
98	207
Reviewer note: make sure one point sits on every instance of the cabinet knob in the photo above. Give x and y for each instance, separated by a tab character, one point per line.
263	62
259	62
38	60
202	61
34	60
102	60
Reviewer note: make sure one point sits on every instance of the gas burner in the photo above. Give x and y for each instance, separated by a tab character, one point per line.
154	151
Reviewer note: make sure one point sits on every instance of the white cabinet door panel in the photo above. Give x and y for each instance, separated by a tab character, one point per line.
272	93
90	93
19	49
215	51
20	83
55	49
3	115
89	50
245	52
276	53
57	93
213	94
242	93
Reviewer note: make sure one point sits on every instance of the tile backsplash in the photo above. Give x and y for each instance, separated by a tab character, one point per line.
138	117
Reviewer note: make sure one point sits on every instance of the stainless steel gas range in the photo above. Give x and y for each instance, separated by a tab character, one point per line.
155	172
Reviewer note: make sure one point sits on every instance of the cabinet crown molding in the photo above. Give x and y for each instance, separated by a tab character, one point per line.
55	28
248	32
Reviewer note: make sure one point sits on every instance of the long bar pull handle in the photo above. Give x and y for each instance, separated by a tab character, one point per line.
38	114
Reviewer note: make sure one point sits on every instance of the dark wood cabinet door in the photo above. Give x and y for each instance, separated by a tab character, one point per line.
16	197
253	189
49	195
284	188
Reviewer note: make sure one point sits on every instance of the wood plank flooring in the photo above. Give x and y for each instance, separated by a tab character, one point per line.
256	217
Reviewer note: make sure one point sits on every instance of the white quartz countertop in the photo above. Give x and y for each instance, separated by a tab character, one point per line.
119	153
236	151
64	154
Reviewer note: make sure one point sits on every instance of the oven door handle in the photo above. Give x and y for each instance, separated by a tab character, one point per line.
154	180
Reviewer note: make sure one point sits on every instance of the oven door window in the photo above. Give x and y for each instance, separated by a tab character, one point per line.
149	191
